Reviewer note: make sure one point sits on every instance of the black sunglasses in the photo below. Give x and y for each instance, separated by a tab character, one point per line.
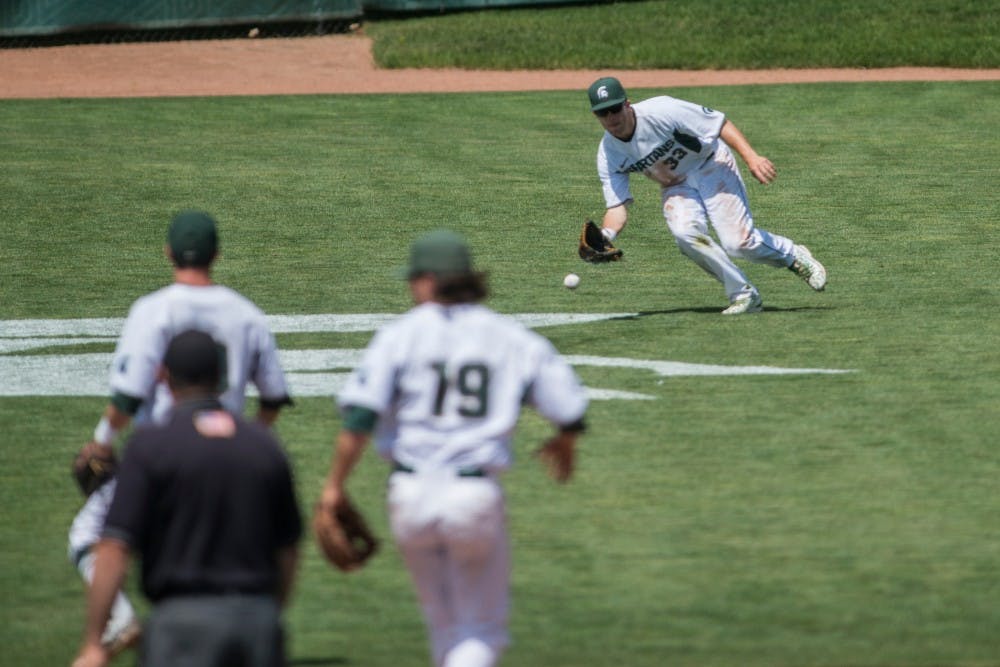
610	110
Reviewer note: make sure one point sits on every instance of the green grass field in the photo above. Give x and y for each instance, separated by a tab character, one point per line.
695	34
807	520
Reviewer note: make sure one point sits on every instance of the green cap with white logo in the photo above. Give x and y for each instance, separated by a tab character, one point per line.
606	92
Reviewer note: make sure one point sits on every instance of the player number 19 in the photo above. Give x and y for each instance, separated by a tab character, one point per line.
472	381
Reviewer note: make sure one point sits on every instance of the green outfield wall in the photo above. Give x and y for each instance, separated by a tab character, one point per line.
443	5
49	17
53	17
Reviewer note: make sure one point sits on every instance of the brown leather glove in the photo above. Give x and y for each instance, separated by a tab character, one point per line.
595	247
343	536
94	465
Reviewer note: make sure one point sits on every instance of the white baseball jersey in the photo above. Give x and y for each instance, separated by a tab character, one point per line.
448	383
229	317
672	138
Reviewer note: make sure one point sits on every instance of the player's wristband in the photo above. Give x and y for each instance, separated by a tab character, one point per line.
104	433
275	403
608	233
579	426
128	405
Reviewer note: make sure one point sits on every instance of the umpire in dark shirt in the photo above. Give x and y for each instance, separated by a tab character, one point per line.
207	502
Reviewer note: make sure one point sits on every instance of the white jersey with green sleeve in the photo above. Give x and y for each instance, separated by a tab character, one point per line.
448	383
235	322
672	138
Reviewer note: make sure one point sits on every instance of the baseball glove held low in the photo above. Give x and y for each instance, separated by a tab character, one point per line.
94	465
557	453
343	536
595	247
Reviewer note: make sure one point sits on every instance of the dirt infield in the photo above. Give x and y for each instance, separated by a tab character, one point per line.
338	64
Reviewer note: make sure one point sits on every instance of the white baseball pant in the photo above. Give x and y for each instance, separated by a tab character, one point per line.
83	535
716	193
452	534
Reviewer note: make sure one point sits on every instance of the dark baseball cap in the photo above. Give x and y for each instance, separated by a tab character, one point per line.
193	238
606	92
194	358
441	252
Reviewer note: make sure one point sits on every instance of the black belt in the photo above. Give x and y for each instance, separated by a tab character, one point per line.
214	592
460	472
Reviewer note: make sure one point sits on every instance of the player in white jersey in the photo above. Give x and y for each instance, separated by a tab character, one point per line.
193	301
440	391
685	148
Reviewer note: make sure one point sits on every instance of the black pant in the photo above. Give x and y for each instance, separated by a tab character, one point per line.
214	631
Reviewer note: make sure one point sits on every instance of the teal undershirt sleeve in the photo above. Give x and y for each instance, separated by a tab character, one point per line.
360	420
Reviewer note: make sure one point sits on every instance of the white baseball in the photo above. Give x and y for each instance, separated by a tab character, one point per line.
571	280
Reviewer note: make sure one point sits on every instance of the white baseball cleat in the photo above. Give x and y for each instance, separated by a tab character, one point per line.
808	268
749	303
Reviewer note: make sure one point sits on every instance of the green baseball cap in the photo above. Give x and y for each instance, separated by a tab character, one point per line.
193	238
441	252
606	92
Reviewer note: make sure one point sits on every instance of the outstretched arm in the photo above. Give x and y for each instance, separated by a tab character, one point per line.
761	168
615	219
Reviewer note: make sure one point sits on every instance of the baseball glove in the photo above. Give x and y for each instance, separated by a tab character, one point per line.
557	454
94	465
595	247
343	536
